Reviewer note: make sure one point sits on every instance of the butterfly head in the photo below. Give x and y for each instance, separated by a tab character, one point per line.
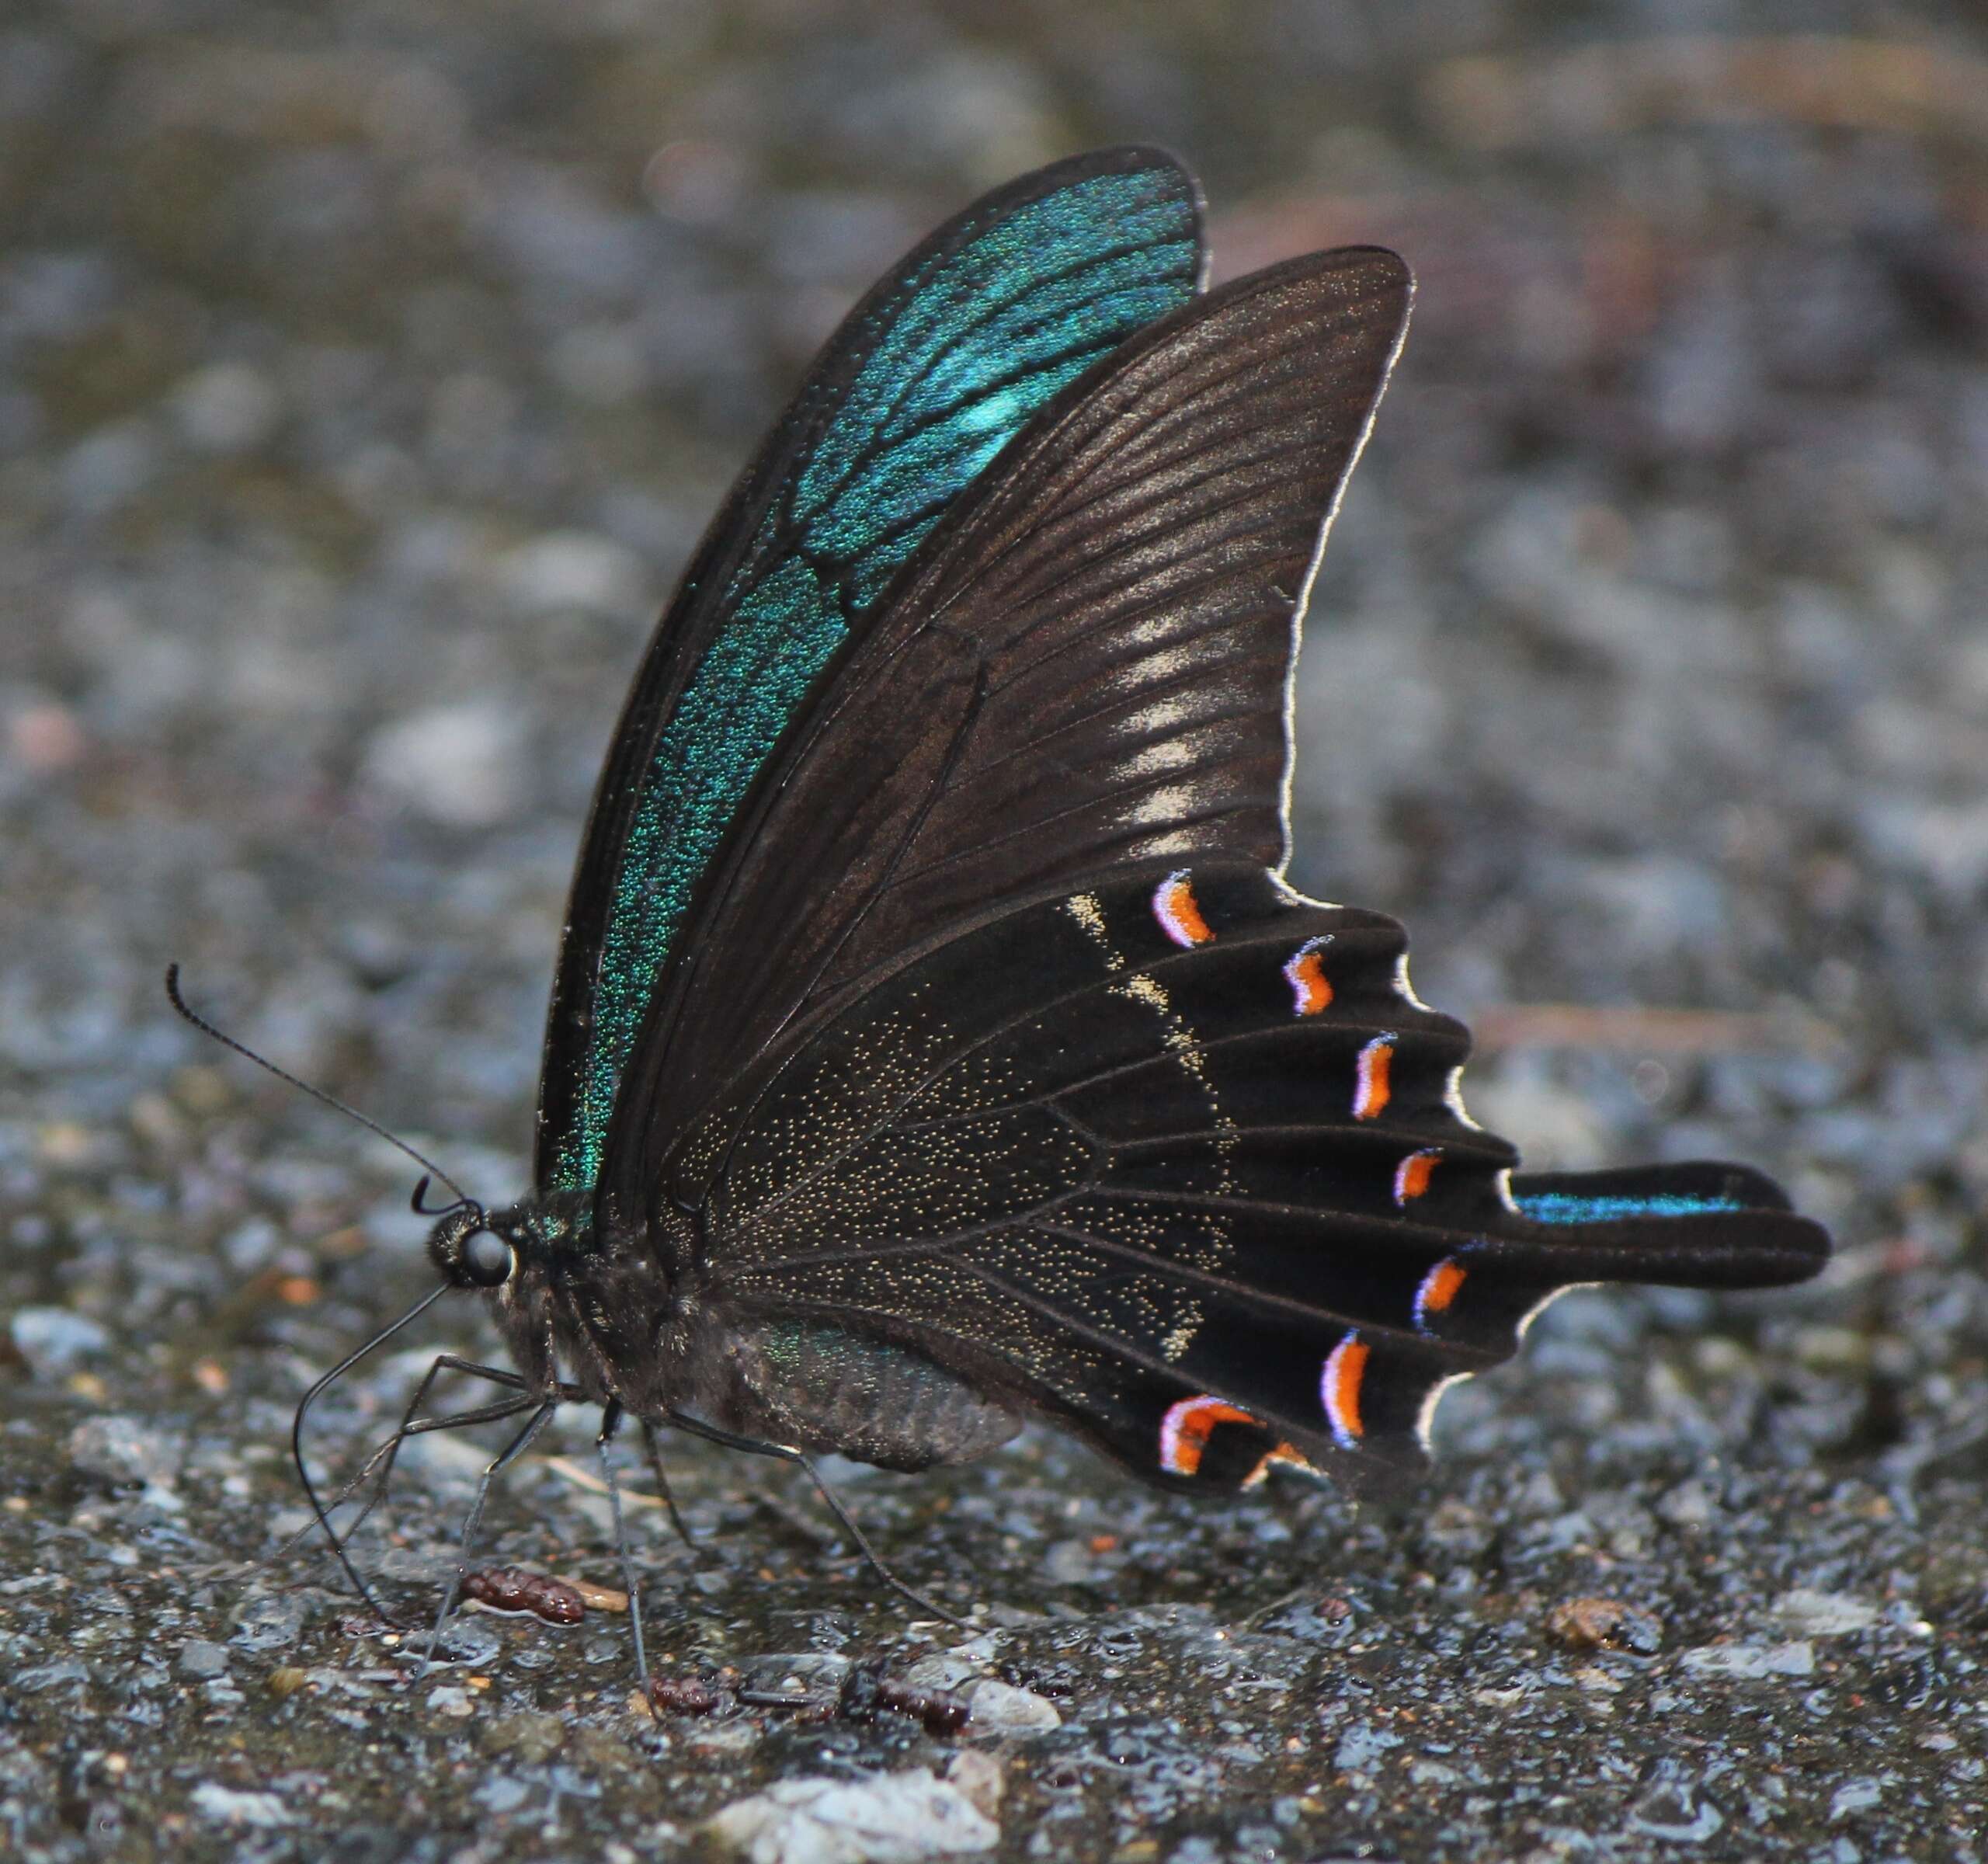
469	1250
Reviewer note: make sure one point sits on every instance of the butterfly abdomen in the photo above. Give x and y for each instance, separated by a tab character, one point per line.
822	1388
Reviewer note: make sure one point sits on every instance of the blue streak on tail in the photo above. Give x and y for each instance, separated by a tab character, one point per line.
1567	1207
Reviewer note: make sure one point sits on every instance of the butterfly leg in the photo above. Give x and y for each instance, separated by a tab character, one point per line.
753	1446
654	1445
610	1422
501	1462
382	1459
454	1420
390	1449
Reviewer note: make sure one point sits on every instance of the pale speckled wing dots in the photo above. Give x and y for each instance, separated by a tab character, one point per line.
927	381
1096	1152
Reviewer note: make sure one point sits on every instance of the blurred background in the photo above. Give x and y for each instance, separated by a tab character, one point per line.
367	371
366	374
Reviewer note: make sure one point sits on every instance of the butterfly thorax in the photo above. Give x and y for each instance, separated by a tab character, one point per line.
589	1301
621	1312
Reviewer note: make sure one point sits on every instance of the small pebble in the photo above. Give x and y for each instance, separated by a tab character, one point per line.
461	765
1594	1624
1690	1505
227	408
1855	1796
1675	1812
529	1737
981	1776
199	1659
943	1670
224	1805
902	1817
574	569
52	1339
46	738
1824	1613
999	1708
1070	1563
1750	1663
122	1450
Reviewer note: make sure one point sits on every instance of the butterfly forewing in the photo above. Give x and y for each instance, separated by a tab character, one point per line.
925	383
1087	666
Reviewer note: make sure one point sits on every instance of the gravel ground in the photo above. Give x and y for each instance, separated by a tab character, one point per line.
365	374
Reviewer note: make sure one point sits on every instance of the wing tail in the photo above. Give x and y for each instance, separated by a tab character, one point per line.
1701	1224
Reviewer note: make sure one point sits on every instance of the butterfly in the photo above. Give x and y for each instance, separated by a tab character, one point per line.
935	1040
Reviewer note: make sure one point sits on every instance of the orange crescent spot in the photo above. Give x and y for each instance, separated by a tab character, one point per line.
1371	1094
1185	1430
1439	1288
1306	973
1339	1390
1284	1452
1179	918
1412	1174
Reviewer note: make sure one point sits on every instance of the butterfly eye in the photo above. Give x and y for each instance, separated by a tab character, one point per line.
487	1258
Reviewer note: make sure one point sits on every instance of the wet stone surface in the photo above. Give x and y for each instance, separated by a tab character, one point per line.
366	376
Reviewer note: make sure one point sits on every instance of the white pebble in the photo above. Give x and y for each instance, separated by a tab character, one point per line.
228	407
999	1708
51	1339
1750	1663
574	569
892	1818
462	765
1823	1614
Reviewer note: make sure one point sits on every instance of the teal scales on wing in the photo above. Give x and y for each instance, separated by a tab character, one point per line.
925	382
934	1038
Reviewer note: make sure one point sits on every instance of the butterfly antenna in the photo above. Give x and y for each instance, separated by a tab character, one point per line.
317	1093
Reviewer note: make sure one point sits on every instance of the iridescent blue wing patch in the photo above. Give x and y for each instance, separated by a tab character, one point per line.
925	383
1087	666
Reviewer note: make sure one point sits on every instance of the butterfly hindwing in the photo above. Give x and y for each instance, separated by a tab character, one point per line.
1177	1158
1087	665
924	384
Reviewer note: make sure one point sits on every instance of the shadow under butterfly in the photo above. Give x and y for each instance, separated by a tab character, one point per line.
935	1042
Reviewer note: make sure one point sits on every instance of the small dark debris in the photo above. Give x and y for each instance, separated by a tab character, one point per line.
693	1696
513	1589
866	1693
866	1690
